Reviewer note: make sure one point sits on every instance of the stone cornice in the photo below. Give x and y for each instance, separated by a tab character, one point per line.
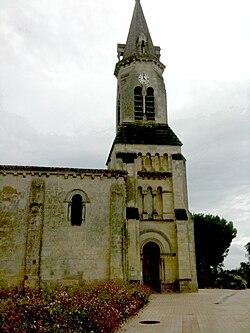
24	171
139	58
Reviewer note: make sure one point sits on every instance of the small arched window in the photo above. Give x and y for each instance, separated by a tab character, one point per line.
75	207
76	210
138	103
150	104
142	43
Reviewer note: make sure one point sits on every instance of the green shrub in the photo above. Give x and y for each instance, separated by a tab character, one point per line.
228	280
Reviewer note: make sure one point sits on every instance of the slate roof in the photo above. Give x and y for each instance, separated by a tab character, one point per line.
150	134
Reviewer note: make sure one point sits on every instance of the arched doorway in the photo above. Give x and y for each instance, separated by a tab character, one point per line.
151	266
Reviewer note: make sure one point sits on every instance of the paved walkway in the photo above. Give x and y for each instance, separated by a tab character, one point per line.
208	311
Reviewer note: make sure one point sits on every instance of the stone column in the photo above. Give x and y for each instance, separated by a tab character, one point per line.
168	209
164	163
148	202
185	278
117	225
134	270
185	242
154	210
34	234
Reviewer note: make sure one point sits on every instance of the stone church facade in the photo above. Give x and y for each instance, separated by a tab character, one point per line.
129	221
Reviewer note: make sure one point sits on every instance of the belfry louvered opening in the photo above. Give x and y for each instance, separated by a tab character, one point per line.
150	104
138	102
144	104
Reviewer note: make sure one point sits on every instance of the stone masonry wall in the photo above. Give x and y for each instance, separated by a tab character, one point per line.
38	242
13	228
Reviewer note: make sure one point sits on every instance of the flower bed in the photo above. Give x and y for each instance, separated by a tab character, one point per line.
100	307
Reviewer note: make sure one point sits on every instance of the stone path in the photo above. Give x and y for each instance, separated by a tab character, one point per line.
208	311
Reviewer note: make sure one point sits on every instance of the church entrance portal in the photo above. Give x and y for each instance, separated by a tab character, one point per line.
151	265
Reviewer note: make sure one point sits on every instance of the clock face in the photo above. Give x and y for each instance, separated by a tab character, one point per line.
143	78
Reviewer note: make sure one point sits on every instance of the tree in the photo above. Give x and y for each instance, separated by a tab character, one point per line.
244	269
230	280
247	247
213	237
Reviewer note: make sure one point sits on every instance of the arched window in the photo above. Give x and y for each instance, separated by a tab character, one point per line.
150	104
76	210
75	207
138	102
142	43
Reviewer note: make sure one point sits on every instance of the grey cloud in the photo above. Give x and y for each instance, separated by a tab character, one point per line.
22	144
215	130
235	257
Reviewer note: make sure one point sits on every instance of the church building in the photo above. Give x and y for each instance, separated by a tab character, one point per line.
129	221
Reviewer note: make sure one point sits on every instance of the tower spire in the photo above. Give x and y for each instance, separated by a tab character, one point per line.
139	40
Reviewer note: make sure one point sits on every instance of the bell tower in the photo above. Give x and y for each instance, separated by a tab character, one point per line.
141	95
159	238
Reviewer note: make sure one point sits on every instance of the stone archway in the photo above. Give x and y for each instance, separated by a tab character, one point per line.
151	265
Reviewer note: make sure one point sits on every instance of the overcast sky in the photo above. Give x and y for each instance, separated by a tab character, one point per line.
57	90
